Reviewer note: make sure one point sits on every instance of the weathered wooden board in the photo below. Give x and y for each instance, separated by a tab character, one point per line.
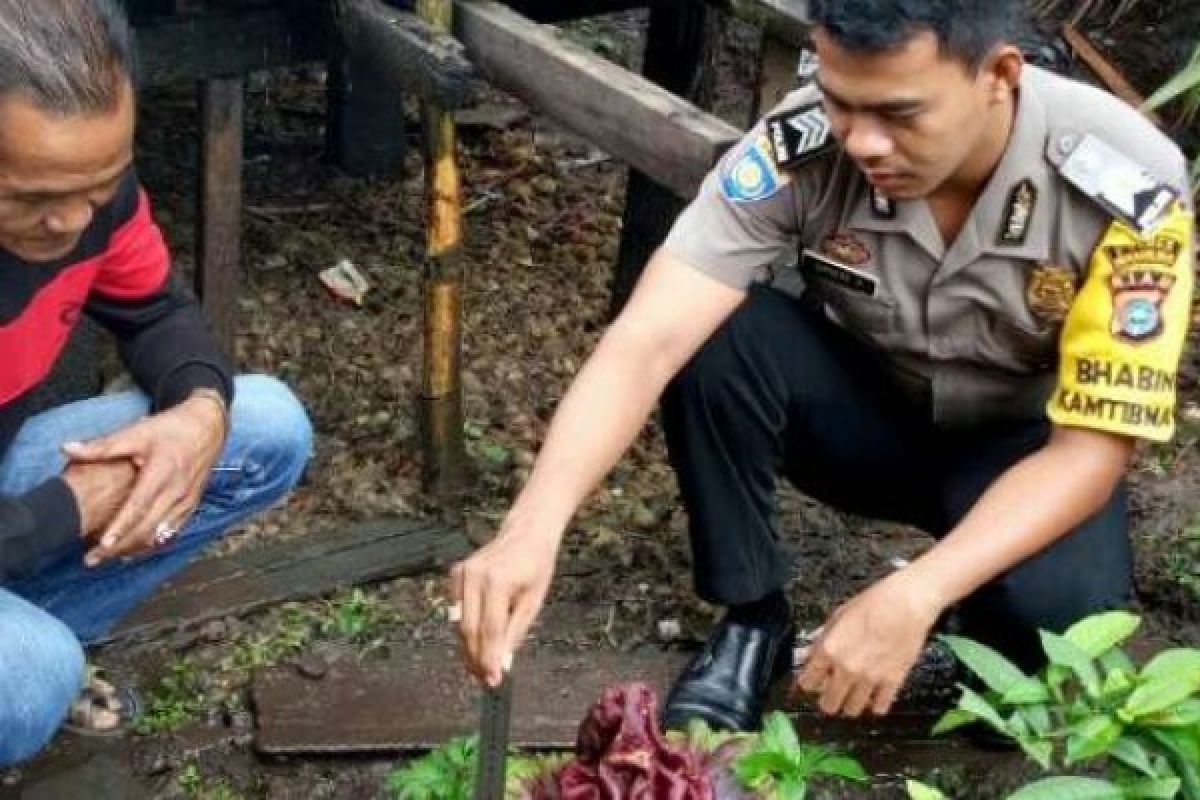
251	580
407	54
421	697
624	114
786	20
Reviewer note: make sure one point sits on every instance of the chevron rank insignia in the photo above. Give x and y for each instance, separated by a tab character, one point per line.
799	135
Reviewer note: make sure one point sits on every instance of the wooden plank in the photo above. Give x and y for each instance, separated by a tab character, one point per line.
406	54
647	126
421	697
219	238
681	44
251	580
1108	74
223	44
365	135
558	10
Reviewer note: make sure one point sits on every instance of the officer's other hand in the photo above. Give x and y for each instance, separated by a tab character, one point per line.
174	452
868	646
100	489
498	593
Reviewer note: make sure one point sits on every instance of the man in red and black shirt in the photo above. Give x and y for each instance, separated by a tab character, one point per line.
102	500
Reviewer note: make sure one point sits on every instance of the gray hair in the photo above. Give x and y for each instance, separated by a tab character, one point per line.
65	56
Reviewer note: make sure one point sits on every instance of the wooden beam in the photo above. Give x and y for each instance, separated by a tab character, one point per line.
220	45
219	238
406	54
626	115
317	565
559	10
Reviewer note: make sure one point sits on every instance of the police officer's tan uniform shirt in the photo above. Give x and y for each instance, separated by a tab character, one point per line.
1067	290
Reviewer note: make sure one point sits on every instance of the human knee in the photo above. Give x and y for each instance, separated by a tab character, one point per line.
274	427
41	674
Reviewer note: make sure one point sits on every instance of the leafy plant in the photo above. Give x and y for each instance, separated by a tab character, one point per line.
448	773
178	698
778	765
1092	706
1184	87
622	753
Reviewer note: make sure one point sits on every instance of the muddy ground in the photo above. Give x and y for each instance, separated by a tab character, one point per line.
543	220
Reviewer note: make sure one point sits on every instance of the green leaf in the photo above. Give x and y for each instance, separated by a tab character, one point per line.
758	769
1064	653
842	767
1098	634
1037	718
1069	788
993	669
1039	750
1116	682
919	791
1118	659
1092	738
1182	715
1180	664
952	720
1027	691
1153	788
1155	696
974	703
779	734
1185	82
1182	749
1132	754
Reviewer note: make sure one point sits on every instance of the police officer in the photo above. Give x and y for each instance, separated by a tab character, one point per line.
940	287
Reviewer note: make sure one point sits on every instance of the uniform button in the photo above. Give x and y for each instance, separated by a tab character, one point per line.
1066	143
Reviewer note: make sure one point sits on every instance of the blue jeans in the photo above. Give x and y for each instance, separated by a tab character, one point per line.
47	616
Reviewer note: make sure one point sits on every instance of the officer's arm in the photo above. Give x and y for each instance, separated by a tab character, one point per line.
1119	359
673	310
1031	506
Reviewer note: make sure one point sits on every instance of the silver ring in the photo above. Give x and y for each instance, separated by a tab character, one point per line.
164	533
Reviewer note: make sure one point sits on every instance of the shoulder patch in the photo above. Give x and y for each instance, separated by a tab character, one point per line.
799	135
750	174
1118	183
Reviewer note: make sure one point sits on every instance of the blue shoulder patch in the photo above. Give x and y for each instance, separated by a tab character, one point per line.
752	175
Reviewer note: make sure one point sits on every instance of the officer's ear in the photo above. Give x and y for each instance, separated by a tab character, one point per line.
1001	72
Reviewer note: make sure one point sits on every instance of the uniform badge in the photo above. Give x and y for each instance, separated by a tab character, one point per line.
1022	201
846	248
806	67
799	135
1119	184
882	206
1142	276
751	176
1050	292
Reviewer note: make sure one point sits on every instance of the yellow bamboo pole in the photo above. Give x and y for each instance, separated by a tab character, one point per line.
445	459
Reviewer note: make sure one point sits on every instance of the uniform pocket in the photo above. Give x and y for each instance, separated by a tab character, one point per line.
855	310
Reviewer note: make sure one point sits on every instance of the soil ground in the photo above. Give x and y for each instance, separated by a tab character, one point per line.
543	220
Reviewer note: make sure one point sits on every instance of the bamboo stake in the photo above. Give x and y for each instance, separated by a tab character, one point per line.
445	458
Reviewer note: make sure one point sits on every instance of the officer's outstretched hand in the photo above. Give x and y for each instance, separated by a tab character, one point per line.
497	593
867	647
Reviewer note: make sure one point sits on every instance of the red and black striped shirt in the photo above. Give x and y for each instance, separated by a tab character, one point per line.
120	275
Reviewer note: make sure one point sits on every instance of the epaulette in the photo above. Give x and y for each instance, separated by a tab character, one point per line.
799	135
1120	185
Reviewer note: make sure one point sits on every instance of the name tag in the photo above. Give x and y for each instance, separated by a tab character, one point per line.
815	265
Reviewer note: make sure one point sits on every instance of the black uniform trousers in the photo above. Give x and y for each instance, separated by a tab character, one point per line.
780	389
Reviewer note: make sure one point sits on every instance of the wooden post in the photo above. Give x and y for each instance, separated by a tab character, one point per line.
777	61
366	128
442	417
218	252
680	42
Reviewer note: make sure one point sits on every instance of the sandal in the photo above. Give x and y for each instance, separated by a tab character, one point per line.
101	709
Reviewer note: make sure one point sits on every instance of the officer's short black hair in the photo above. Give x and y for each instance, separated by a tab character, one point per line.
65	56
965	29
